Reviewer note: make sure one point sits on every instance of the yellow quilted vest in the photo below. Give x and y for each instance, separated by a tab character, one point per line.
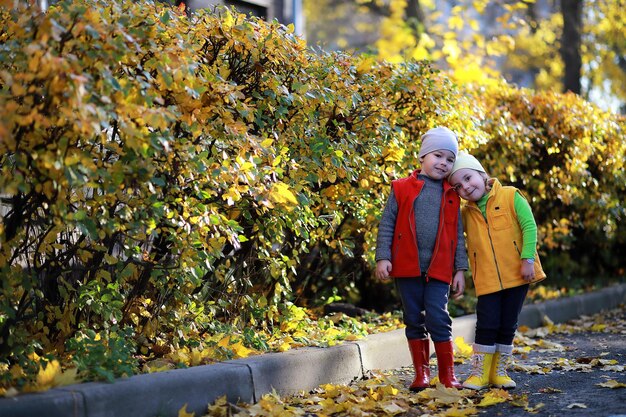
494	245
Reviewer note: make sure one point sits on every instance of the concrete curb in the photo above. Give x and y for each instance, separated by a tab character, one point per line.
163	394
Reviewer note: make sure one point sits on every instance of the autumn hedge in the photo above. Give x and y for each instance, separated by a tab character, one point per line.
167	178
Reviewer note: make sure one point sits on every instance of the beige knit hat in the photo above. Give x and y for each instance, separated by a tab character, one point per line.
465	160
438	138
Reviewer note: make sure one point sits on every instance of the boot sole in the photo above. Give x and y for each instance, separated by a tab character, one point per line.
476	387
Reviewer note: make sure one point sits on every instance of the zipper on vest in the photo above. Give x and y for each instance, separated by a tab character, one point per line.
414	234
516	248
493	251
438	238
475	266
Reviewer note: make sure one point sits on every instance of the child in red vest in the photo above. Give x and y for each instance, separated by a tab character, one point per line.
420	244
501	240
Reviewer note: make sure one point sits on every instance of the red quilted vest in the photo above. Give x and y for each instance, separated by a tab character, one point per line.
404	252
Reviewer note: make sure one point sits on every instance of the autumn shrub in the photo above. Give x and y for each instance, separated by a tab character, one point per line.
178	187
161	174
568	158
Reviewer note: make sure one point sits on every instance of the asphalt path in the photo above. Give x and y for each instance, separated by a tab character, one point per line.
568	372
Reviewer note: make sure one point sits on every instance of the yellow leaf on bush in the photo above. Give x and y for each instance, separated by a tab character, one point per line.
288	326
281	194
224	342
299	333
365	64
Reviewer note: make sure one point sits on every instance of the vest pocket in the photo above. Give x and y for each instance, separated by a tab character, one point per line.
500	219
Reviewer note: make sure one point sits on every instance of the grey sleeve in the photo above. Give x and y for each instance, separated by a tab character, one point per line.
460	256
386	228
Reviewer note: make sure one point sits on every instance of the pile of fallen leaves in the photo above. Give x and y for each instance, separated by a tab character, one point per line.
534	339
383	395
386	393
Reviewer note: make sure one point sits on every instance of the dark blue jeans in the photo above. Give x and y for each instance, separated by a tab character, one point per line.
497	314
425	308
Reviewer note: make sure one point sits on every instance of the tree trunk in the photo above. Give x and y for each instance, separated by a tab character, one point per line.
415	17
572	11
414	11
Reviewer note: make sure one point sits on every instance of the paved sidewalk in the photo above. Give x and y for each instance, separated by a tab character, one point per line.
163	394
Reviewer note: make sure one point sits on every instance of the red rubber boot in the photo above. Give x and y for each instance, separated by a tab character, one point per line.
420	352
445	364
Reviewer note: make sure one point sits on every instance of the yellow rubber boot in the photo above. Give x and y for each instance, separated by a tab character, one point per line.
482	359
501	361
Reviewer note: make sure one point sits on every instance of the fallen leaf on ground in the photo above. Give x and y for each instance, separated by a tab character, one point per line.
460	412
183	412
442	394
535	409
392	408
495	396
612	384
549	390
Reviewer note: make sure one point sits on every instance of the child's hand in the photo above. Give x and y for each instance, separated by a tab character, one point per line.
458	285
528	271
383	268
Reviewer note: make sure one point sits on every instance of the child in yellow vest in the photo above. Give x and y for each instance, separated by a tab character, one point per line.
501	237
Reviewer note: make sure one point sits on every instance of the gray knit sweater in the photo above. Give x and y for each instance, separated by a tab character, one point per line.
426	206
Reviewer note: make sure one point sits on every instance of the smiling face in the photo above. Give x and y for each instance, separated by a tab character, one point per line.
469	184
438	164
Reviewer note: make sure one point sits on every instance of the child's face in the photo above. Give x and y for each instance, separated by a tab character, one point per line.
438	164
469	183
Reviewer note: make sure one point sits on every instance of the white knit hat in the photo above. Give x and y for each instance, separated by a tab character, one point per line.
438	138
465	160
